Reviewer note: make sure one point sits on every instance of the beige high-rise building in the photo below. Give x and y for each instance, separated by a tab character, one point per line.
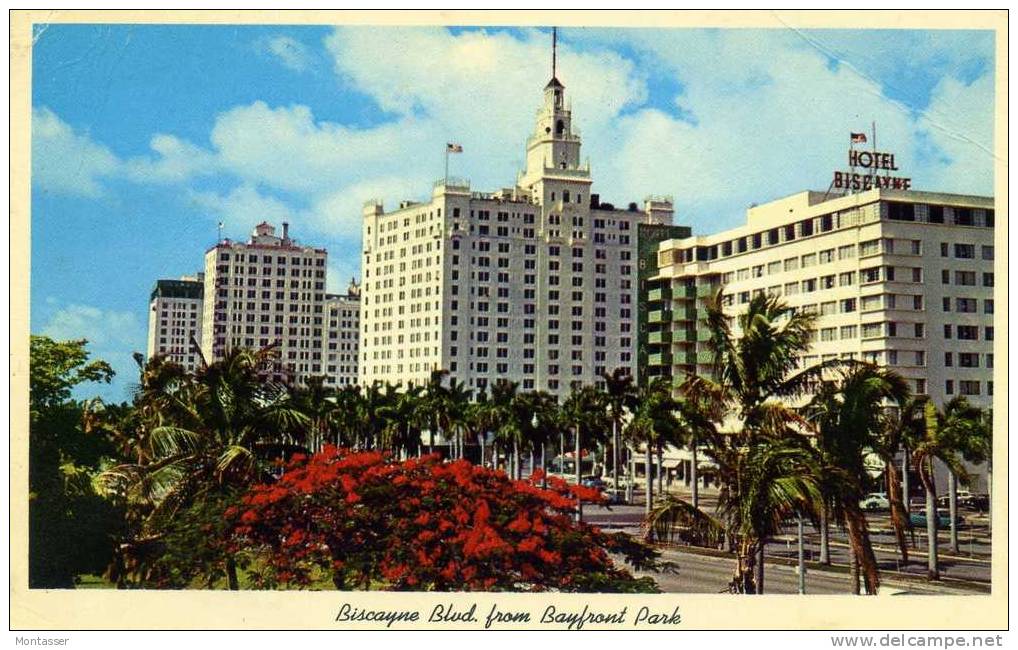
175	320
267	291
903	279
342	336
535	283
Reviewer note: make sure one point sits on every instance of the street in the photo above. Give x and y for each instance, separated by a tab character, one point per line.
701	574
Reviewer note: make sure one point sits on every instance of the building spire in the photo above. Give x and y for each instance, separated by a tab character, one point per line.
554	48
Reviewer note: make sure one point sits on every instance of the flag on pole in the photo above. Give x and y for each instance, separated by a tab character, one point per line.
454	148
858	137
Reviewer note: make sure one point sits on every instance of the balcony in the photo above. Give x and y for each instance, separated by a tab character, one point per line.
657	338
659	359
683	336
684	313
685	359
705	357
659	316
661	293
706	290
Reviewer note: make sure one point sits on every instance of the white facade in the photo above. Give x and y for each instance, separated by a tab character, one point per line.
535	283
342	334
175	319
267	291
903	279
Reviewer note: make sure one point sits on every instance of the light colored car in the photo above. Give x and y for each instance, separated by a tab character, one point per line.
875	501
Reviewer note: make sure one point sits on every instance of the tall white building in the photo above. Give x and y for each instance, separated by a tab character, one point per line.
267	291
342	336
175	320
535	283
903	279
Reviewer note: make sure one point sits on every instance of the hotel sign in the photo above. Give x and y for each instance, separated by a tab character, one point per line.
872	163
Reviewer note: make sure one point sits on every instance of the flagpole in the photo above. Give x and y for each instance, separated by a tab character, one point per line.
851	161
446	164
874	168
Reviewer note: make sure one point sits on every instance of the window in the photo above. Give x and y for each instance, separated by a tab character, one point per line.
988	306
846	252
948	359
827	308
964	251
945	277
966	305
949	387
968	333
947	303
871	247
968	360
987	279
987	252
849	332
947	331
848	305
827	256
791	264
809	260
968	387
945	249
965	278
935	214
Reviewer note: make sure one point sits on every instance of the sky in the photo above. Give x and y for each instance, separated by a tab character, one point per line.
144	138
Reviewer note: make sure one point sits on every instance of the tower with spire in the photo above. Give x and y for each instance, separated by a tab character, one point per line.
536	282
553	169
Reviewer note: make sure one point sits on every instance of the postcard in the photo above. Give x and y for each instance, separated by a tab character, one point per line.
509	320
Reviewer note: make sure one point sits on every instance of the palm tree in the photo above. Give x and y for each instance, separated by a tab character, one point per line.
957	432
848	413
767	467
403	420
653	422
455	415
620	395
901	427
231	424
503	413
318	402
583	411
539	414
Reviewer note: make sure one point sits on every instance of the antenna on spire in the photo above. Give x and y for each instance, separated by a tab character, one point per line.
554	47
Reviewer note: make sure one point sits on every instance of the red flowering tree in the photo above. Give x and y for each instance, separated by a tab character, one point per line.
422	524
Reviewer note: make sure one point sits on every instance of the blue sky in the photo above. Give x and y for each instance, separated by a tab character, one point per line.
145	137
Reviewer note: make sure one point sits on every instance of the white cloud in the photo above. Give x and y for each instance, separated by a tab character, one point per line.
113	337
102	328
65	161
762	115
175	161
242	207
289	51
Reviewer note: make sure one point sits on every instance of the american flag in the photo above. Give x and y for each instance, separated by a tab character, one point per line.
858	137
454	148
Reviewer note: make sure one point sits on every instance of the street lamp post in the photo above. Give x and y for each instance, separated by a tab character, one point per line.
802	559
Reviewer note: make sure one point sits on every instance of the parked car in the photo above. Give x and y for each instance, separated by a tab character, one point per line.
875	501
615	497
964	499
593	482
918	519
980	502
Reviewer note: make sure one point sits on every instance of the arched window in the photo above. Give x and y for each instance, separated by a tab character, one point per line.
560	127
